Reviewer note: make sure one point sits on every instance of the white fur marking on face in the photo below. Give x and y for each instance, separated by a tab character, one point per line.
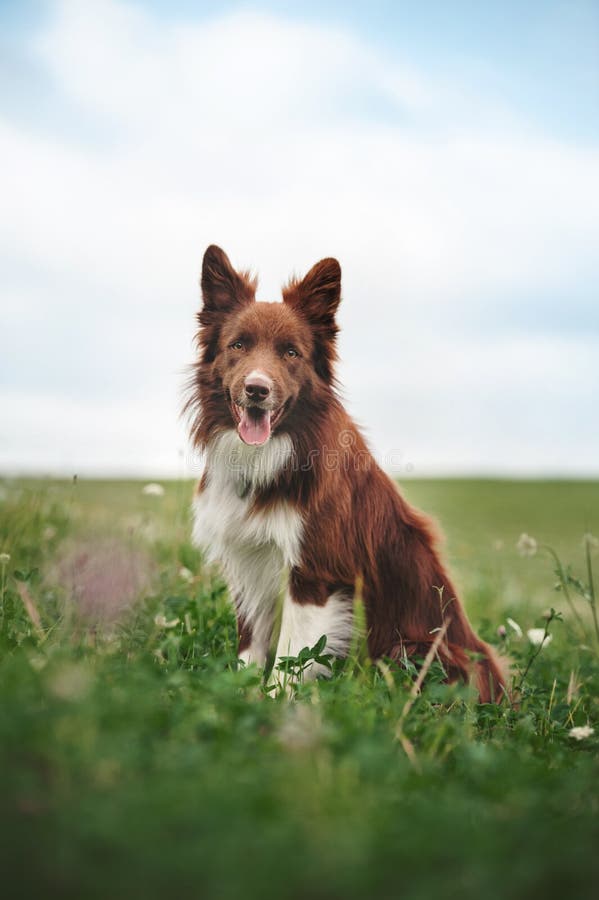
253	548
261	376
303	624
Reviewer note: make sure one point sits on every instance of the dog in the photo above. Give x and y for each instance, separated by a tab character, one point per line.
291	497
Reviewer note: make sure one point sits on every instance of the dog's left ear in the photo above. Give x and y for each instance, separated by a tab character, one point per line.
317	295
316	298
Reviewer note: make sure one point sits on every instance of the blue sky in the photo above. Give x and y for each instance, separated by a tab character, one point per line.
447	153
541	58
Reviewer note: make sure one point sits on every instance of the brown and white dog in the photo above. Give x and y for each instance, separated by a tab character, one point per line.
291	494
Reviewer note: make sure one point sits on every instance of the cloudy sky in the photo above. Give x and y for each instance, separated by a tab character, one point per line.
446	152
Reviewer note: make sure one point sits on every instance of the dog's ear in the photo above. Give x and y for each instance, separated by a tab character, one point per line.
223	287
316	298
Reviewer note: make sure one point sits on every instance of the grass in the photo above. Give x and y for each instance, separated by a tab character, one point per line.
138	760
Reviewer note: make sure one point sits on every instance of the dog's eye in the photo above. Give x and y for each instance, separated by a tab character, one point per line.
236	345
291	352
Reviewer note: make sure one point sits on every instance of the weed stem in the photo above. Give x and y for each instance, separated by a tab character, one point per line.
592	599
564	585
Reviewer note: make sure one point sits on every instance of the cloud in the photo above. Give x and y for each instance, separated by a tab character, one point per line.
284	142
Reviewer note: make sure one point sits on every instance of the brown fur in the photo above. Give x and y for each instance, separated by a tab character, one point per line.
356	523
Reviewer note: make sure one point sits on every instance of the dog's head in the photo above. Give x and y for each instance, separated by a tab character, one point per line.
261	358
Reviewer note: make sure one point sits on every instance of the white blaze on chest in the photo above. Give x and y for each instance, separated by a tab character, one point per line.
252	546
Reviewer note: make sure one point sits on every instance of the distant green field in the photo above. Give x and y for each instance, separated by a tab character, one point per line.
483	520
138	760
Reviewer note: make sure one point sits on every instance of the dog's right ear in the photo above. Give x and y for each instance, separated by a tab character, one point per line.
222	287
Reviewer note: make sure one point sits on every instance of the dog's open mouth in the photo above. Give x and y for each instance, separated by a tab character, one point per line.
254	425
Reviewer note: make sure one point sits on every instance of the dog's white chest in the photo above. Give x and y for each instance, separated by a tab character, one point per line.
225	524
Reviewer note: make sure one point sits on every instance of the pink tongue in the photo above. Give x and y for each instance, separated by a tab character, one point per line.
254	428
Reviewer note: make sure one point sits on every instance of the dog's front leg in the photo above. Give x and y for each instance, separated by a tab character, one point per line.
255	616
305	622
254	577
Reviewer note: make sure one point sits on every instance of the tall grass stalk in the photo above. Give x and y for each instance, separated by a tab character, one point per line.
559	571
415	690
553	616
592	599
4	560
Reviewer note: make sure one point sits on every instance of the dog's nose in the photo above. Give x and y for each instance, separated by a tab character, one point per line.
257	386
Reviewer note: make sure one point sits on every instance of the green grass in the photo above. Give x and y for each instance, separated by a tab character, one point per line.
137	760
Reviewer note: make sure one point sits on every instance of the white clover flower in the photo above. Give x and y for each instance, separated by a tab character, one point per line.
581	732
514	626
526	546
71	681
163	622
591	541
301	728
4	559
153	490
186	574
49	533
38	663
538	637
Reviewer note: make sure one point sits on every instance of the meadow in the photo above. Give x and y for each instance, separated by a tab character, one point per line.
138	759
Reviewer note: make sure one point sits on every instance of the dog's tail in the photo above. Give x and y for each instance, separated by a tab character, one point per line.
491	673
478	664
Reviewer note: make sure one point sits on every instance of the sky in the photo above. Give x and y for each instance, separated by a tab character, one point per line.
447	153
